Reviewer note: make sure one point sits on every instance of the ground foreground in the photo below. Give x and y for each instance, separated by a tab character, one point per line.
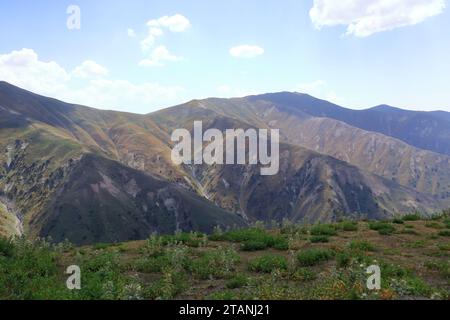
326	261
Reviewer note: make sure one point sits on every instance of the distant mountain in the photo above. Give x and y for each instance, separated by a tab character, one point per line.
69	171
424	130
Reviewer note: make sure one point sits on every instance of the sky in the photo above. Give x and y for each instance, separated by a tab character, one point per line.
143	55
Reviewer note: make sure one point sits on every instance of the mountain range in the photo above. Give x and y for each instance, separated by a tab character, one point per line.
87	175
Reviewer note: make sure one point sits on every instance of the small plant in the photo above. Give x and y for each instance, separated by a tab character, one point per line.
280	243
323	230
218	263
6	248
311	257
268	263
444	233
253	245
383	228
303	274
319	239
361	245
348	226
412	217
238	281
444	247
434	225
398	221
343	259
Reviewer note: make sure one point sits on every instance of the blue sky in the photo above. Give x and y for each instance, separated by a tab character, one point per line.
358	53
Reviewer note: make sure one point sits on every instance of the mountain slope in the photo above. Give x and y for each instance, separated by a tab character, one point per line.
424	130
425	171
91	175
68	170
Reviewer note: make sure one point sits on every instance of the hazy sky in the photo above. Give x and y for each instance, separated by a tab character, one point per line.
142	55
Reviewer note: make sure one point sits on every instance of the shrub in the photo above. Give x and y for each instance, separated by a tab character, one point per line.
323	230
444	247
29	271
343	259
444	233
312	257
398	221
434	225
447	223
303	274
218	263
238	281
253	245
153	264
6	248
348	226
280	243
383	228
255	239
361	245
168	287
319	239
412	217
268	263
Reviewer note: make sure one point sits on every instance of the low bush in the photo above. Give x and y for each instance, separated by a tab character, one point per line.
412	217
383	228
253	245
323	230
268	263
311	257
361	245
319	239
444	233
238	281
348	226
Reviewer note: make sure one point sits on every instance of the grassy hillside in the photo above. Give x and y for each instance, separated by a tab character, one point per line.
324	261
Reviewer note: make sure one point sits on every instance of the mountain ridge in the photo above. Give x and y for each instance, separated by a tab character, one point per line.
46	140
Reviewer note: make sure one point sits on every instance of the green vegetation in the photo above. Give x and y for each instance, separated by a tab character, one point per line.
323	230
383	228
361	245
268	263
412	217
319	239
347	226
253	239
311	257
193	266
444	233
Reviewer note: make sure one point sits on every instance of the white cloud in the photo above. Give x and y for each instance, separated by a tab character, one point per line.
89	69
143	98
156	28
366	17
175	23
131	33
158	57
23	68
149	41
319	90
246	51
